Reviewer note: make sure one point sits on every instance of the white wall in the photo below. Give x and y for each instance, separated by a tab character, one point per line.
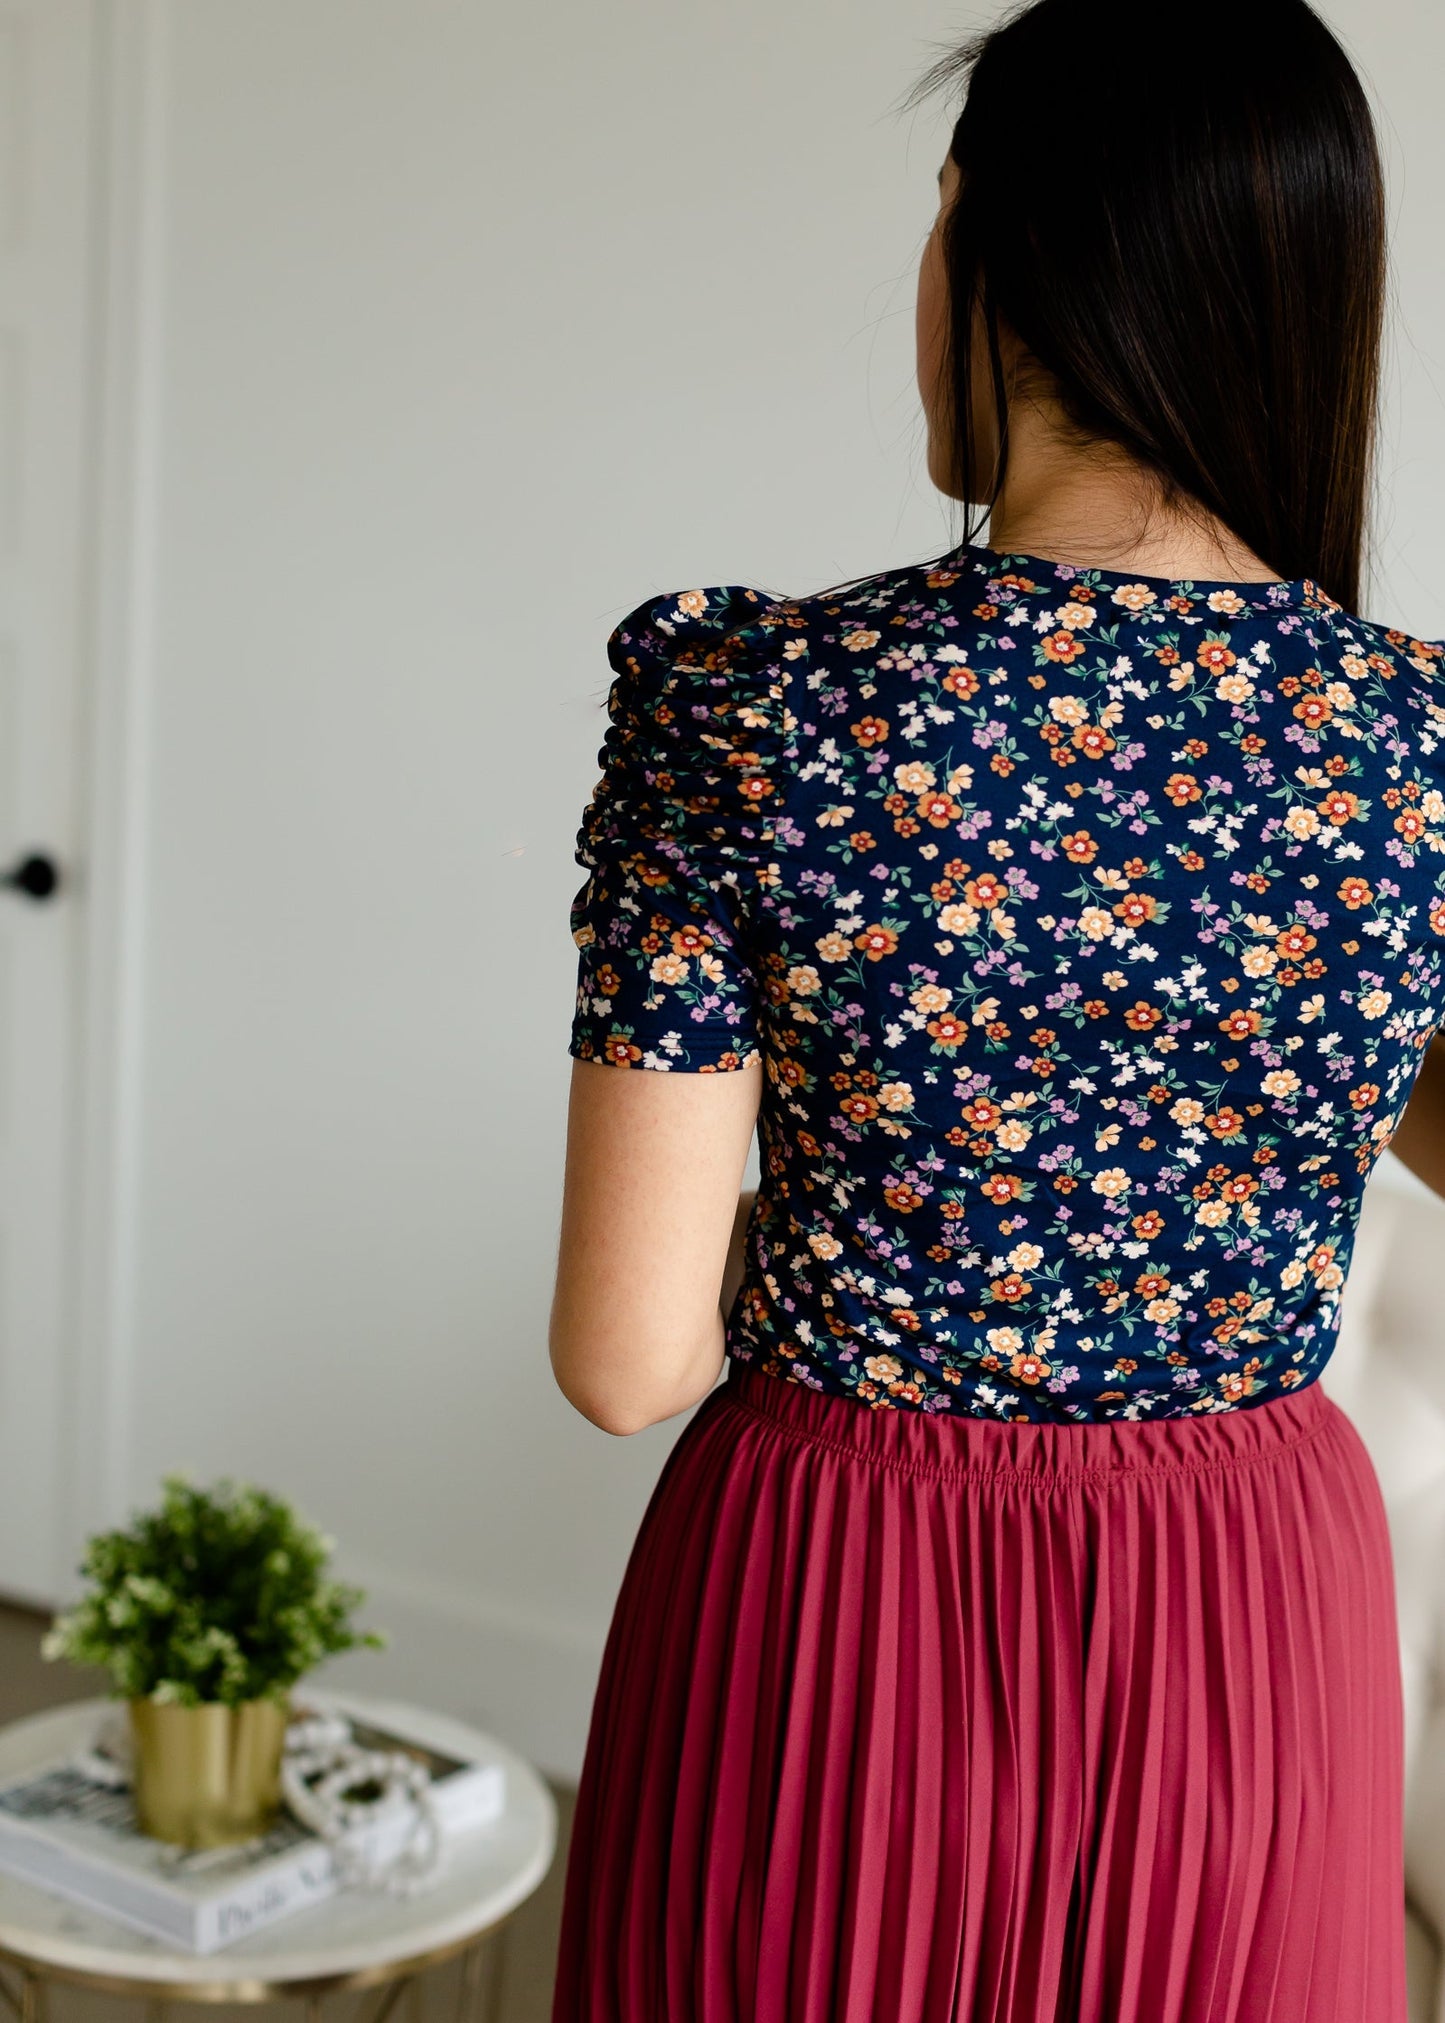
463	330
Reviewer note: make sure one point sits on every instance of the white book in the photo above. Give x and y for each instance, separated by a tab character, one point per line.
70	1832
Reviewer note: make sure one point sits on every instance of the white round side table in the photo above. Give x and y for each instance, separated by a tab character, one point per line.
355	1939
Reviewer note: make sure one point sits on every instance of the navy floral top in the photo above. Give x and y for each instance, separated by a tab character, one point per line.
1089	931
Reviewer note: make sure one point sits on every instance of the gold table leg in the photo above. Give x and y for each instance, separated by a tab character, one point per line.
494	1954
389	1999
468	1982
478	2000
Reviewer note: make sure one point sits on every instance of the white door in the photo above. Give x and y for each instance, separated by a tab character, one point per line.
46	133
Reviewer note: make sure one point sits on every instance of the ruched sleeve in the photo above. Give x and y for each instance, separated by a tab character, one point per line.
678	838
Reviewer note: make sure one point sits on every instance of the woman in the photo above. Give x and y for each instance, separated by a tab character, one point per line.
1010	1636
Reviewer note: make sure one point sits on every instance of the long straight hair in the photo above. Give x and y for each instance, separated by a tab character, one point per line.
1178	208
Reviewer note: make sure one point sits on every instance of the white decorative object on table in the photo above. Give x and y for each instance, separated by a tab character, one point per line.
350	1940
322	1764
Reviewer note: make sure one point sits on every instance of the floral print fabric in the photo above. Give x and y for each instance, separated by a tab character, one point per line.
1088	931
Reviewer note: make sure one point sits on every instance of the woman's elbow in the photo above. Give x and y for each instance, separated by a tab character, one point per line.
608	1414
623	1393
606	1406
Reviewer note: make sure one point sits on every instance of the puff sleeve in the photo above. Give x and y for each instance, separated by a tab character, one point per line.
678	837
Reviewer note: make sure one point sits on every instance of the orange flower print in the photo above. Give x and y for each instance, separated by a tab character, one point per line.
1093	739
876	942
1241	1024
1064	648
1076	614
1340	807
1237	1384
620	1051
939	809
985	891
1141	1017
1215	657
1079	846
1296	940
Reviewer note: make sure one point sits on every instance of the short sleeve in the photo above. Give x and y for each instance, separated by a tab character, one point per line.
679	835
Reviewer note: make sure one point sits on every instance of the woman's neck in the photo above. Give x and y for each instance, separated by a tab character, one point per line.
1098	507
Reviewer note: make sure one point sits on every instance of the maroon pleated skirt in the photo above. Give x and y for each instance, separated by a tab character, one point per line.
904	1719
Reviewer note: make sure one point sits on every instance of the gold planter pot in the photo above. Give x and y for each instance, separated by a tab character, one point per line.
210	1775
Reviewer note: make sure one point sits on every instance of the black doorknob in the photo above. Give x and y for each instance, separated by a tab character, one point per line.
37	876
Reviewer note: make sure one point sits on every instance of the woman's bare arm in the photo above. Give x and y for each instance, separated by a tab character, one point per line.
1419	1140
650	1209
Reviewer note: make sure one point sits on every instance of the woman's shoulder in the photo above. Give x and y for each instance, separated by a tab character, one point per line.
714	647
692	667
1402	669
1397	642
709	684
699	720
700	648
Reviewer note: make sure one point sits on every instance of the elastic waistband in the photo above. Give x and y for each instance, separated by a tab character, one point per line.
1037	1452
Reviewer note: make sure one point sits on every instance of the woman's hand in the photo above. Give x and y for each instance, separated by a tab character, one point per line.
1419	1140
734	1268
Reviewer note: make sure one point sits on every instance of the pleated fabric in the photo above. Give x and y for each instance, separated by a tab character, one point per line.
913	1720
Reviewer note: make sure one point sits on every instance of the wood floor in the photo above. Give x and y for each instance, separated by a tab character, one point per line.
524	1964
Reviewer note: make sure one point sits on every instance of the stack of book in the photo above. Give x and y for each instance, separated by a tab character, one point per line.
66	1828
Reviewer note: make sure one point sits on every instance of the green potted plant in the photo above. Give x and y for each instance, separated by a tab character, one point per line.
205	1612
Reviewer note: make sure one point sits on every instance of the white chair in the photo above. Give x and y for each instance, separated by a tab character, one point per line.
1388	1373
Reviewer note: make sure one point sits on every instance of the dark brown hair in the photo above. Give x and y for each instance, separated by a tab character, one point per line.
1178	207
